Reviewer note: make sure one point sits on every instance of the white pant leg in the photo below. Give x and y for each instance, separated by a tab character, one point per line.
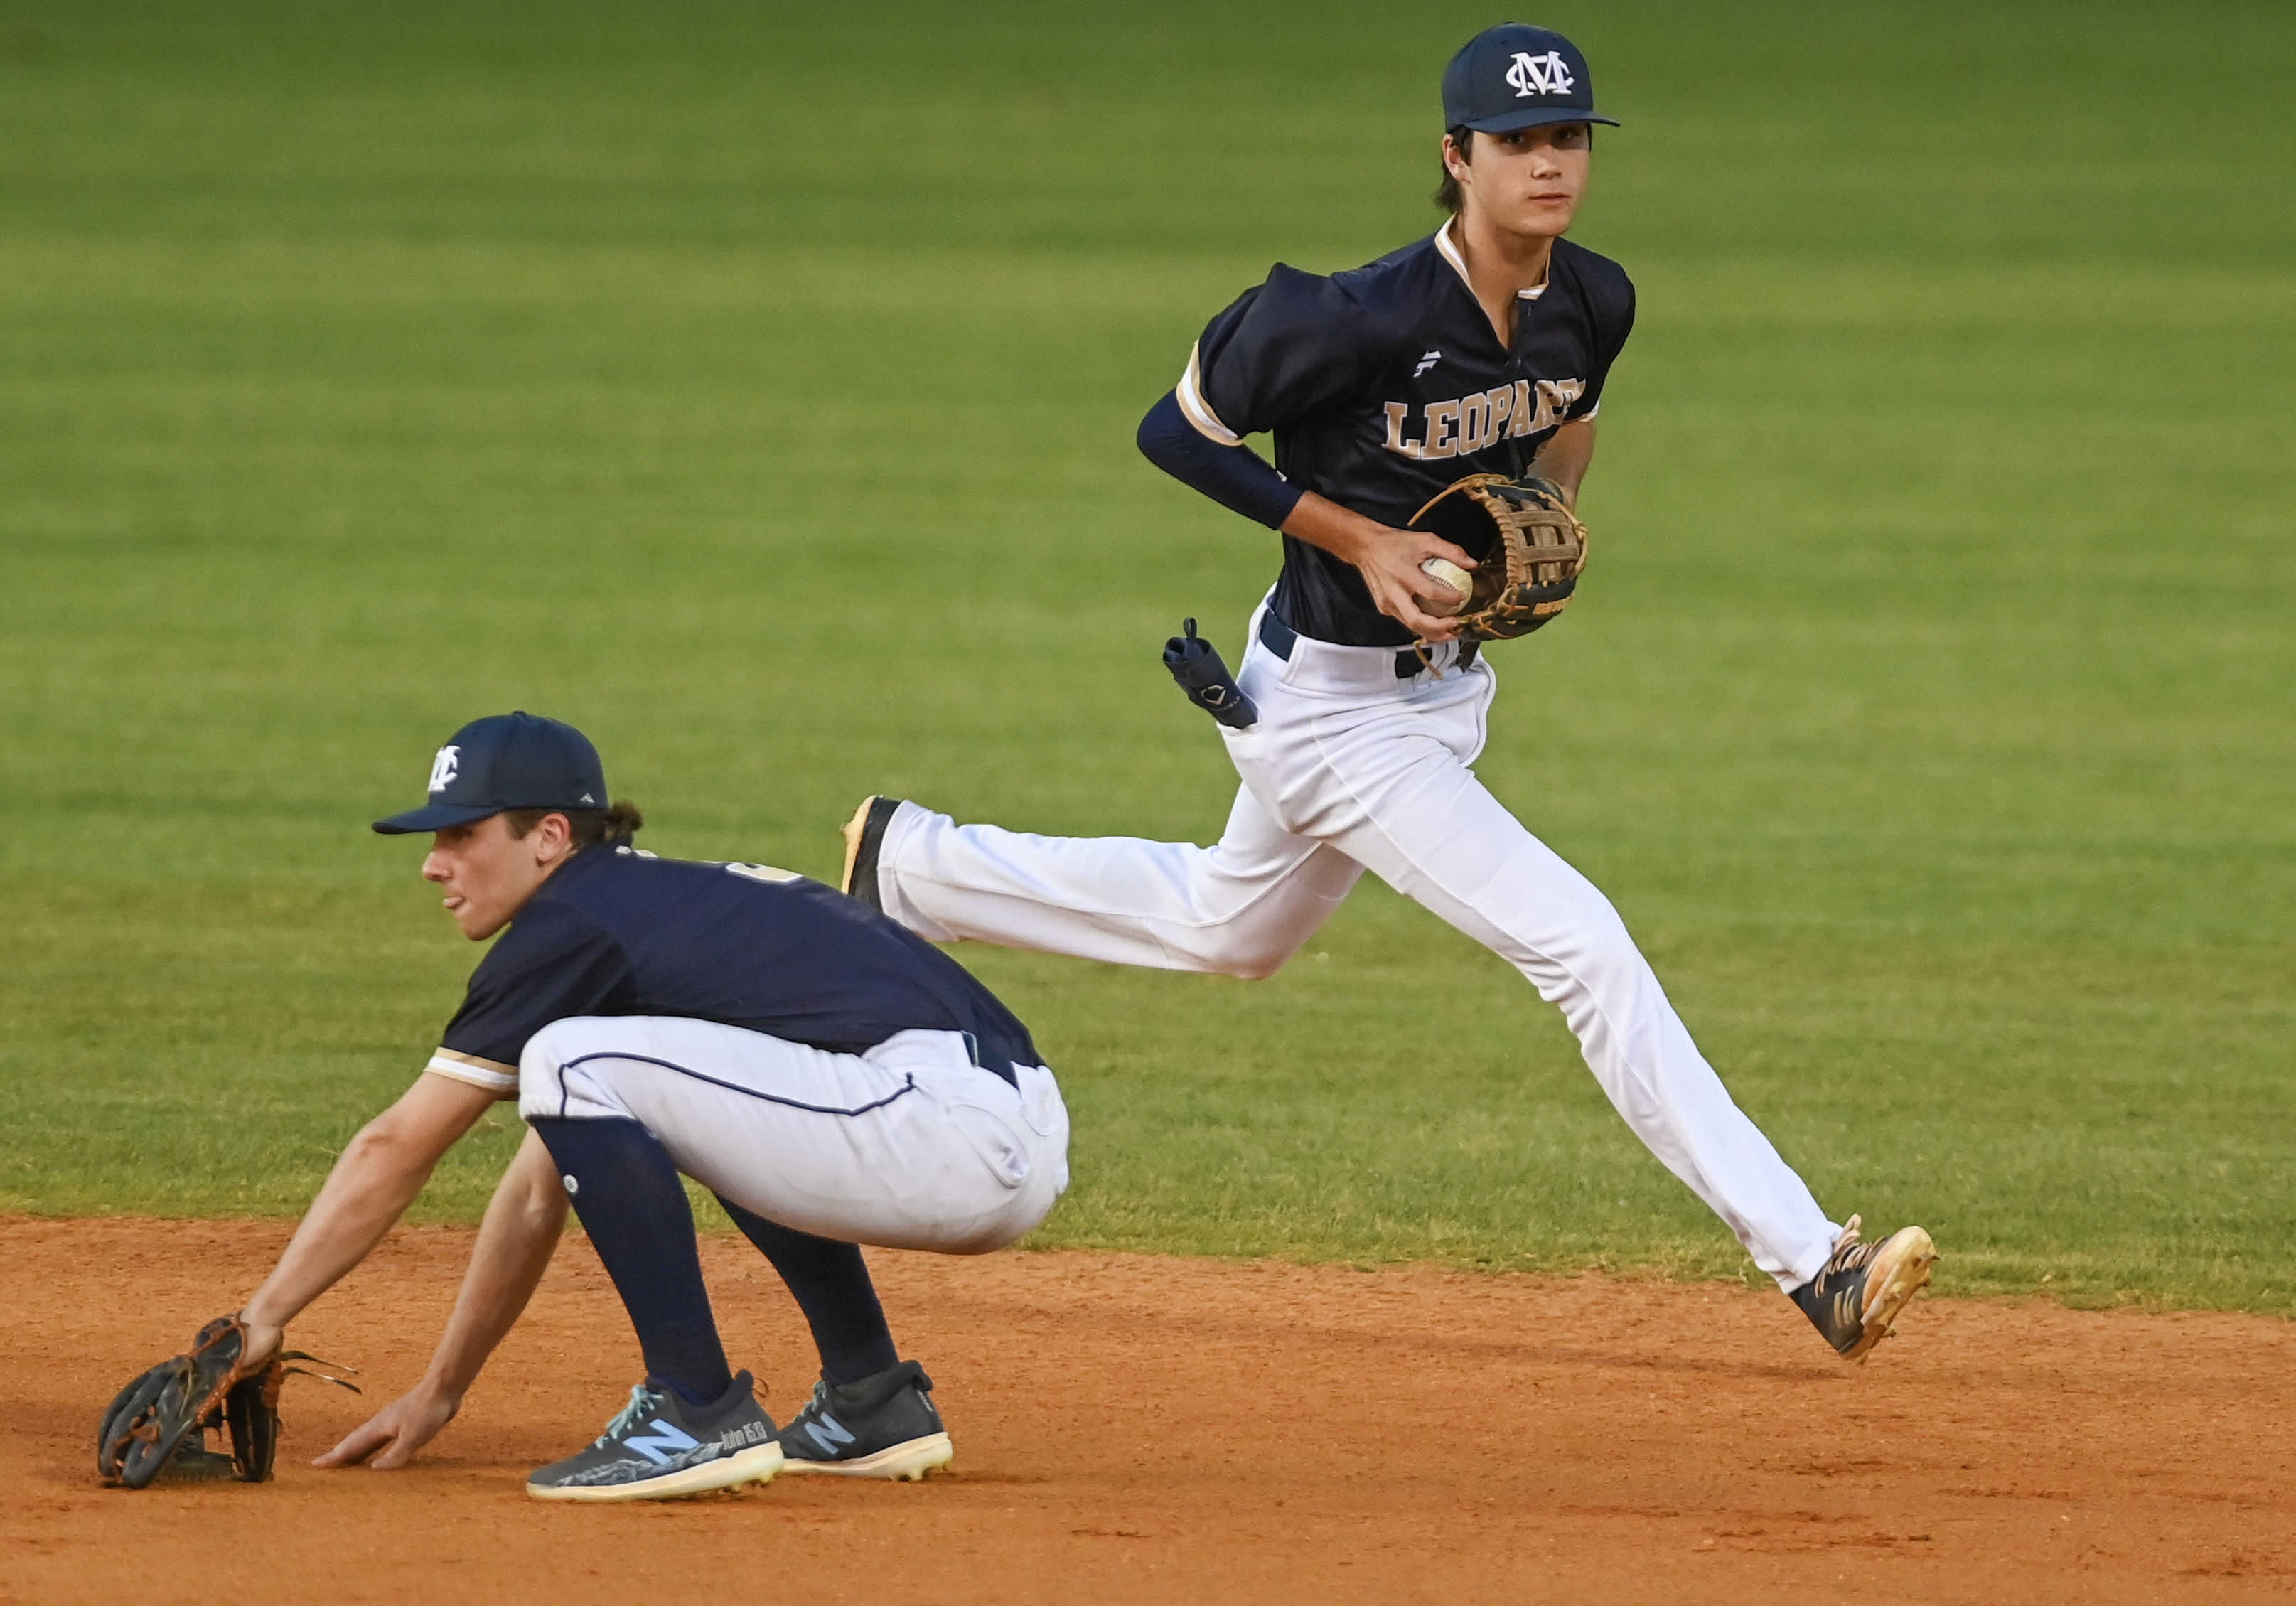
1386	780
1241	907
909	1146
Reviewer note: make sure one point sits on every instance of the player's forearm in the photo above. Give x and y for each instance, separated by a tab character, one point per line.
378	1175
520	1230
1347	534
1565	457
1234	476
366	1193
1389	560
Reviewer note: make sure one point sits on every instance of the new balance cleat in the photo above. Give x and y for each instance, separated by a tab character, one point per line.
864	833
660	1448
881	1427
1864	1286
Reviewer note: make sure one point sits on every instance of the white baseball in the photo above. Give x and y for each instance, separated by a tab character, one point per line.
1452	576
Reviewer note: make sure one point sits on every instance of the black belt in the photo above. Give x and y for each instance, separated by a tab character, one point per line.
1278	638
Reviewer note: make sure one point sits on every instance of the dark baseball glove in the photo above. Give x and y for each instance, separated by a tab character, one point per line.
1527	544
157	1426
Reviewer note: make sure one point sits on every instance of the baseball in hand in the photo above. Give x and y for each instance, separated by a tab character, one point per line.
1452	577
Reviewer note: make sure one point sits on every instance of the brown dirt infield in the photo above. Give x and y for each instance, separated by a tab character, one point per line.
1133	1429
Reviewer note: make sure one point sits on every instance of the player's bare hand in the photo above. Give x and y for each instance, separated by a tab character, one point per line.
1389	560
1393	570
389	1439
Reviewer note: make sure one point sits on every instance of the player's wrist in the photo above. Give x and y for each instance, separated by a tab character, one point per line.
261	1312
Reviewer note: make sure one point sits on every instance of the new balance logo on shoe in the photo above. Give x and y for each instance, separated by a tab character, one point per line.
829	1433
666	1439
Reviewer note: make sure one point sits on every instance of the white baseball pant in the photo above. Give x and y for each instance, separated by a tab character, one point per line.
1352	768
910	1146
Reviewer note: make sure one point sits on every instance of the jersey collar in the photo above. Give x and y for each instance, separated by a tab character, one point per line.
1450	250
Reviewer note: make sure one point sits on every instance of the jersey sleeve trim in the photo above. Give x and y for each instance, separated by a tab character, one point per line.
1196	409
490	1074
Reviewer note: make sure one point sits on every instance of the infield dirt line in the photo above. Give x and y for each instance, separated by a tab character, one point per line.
1134	1429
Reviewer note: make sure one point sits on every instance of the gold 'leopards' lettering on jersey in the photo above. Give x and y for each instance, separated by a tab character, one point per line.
1397	411
1442	438
1474	419
1467	424
1502	411
1555	397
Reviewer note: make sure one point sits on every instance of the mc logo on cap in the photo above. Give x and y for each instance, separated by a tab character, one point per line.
1515	76
1548	74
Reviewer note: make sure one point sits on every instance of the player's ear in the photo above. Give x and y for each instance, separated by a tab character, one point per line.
551	838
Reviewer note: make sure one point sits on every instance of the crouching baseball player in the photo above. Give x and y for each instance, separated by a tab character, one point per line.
834	1079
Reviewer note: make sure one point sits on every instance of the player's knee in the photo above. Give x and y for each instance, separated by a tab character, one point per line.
1237	948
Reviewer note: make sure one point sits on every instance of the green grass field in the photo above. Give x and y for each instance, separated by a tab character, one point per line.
757	390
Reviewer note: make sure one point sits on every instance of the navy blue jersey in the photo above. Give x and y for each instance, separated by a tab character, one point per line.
1385	383
615	931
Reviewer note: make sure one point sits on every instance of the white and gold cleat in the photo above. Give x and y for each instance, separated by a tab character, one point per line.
1858	1295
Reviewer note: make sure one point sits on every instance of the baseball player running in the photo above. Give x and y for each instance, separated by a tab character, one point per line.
1483	349
834	1079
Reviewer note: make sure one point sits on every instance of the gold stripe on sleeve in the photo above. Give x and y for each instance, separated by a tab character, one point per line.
480	1073
1197	410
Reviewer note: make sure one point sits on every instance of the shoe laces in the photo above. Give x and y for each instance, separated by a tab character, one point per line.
819	1400
1849	1254
644	1401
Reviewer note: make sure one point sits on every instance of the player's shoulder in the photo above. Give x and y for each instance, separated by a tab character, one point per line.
606	886
629	883
1384	299
1602	283
1400	281
549	929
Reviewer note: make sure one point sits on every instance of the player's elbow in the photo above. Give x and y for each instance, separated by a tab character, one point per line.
1164	435
386	1144
401	1140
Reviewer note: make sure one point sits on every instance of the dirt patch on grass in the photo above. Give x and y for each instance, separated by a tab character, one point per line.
1134	1429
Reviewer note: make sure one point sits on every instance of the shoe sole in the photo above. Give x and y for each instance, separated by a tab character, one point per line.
748	1466
909	1461
856	831
1899	1272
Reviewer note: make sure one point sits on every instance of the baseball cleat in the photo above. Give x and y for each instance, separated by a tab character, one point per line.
881	1427
864	833
659	1448
1864	1286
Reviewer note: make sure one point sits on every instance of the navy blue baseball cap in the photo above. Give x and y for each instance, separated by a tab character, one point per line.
1515	76
503	761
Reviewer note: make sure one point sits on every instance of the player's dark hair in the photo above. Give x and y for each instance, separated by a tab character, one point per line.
1446	193
587	827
